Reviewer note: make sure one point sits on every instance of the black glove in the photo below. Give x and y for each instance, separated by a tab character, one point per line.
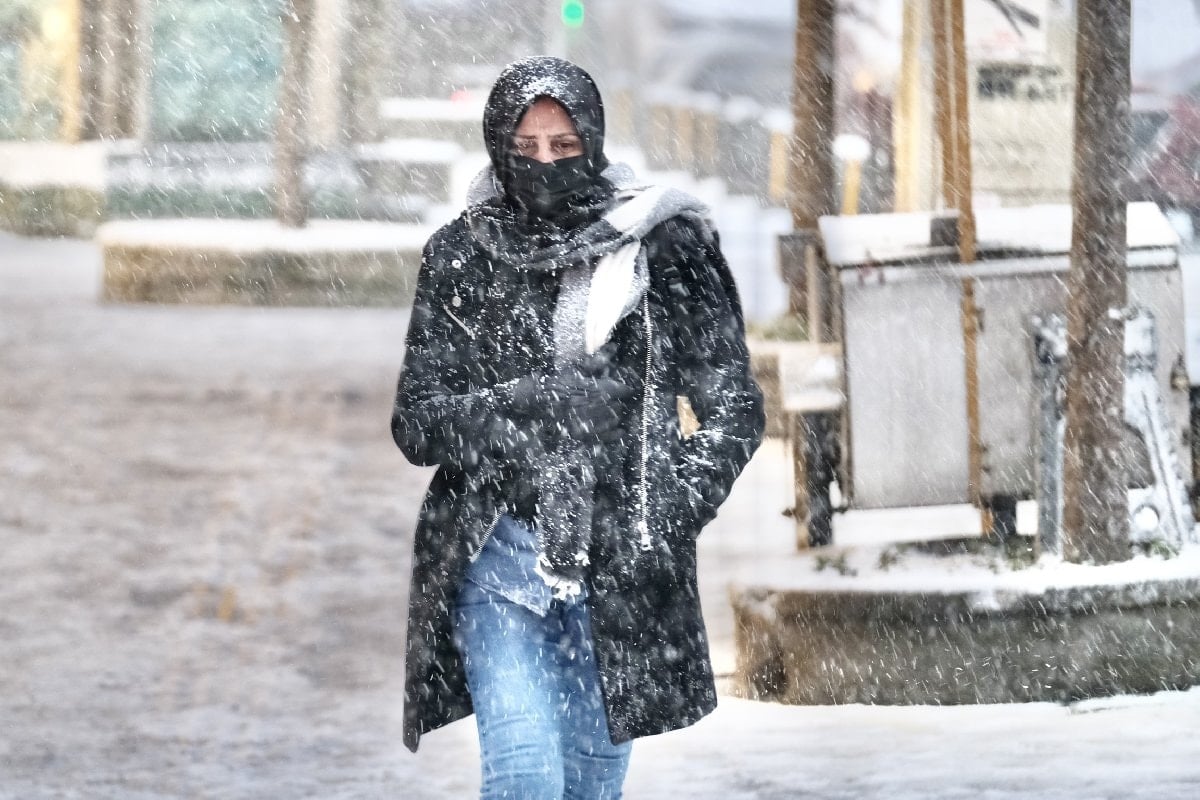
585	402
590	409
510	439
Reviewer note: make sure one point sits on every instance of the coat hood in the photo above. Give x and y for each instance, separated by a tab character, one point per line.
522	82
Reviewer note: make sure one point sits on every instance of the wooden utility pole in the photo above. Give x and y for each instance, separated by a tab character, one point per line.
907	127
950	80
962	135
954	131
1095	503
812	181
291	204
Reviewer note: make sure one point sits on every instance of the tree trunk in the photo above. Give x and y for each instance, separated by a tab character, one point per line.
812	187
1095	503
291	204
90	66
368	37
812	181
125	64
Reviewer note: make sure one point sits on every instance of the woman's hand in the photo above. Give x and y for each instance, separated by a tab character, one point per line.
586	405
590	409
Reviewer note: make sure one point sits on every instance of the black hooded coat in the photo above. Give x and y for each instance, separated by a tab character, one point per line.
478	323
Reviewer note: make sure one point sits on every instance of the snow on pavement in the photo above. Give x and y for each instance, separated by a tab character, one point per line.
204	530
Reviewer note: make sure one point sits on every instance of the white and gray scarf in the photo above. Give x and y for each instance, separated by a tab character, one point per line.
604	275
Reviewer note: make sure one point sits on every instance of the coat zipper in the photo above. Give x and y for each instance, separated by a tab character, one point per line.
647	405
482	542
458	321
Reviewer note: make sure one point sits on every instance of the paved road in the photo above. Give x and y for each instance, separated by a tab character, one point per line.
204	527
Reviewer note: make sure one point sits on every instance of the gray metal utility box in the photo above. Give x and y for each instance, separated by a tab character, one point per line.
902	304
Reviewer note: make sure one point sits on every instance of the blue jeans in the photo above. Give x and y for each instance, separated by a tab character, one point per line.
543	731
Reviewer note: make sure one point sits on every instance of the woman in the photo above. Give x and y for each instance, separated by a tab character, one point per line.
555	324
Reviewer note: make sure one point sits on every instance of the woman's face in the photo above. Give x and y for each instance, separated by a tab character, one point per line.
546	133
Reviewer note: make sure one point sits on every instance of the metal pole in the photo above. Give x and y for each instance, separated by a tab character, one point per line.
1096	507
554	39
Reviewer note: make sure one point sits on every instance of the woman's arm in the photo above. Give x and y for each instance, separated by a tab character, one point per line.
714	366
440	416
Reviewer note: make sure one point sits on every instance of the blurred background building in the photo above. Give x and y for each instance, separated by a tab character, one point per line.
702	86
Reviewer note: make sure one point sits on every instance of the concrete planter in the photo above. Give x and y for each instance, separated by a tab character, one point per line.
260	263
999	642
53	189
51	210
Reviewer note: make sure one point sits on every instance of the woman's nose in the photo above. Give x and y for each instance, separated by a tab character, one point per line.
543	153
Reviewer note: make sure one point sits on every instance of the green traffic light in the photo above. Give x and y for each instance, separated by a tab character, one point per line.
572	13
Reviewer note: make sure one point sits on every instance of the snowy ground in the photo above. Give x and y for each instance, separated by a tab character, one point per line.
204	530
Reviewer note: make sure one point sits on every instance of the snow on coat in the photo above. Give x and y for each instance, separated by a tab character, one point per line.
477	325
481	321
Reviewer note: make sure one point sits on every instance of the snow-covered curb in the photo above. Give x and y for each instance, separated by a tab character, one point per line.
260	262
858	569
901	625
259	236
32	165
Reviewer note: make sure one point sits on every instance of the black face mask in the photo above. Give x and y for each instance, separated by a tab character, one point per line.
544	189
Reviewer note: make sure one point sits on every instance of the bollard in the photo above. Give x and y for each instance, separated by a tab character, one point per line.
1050	386
683	129
1194	442
815	452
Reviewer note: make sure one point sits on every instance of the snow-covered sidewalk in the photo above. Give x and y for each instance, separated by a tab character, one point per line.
204	533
